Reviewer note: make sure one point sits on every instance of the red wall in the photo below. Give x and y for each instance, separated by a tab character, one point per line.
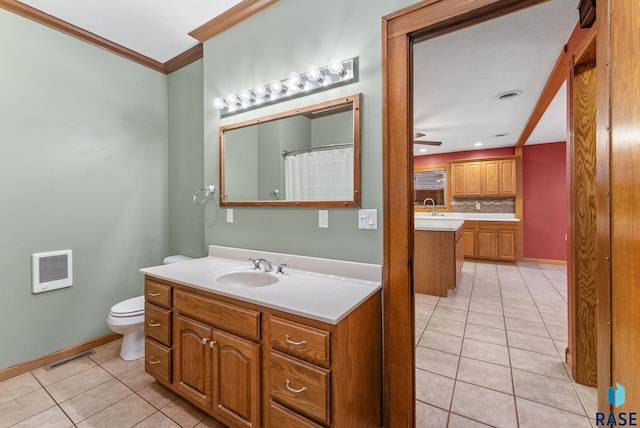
545	194
443	158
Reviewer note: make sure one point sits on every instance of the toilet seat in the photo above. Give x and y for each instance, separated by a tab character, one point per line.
128	308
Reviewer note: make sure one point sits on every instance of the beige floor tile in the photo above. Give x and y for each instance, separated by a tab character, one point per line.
25	407
158	420
441	342
64	371
418	335
107	352
461	303
157	395
536	415
484	405
527	327
538	363
450	313
423	308
430	417
480	373
421	321
558	320
561	347
445	326
125	413
95	400
209	422
588	397
457	421
437	362
136	379
531	315
434	389
486	334
117	366
427	298
18	386
50	418
183	413
547	390
558	332
485	351
477	318
539	344
485	308
70	387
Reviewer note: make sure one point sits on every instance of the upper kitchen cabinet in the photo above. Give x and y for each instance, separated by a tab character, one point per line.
486	178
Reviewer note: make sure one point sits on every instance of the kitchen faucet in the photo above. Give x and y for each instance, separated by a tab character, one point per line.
433	205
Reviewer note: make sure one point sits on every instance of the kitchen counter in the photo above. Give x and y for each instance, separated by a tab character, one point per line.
466	216
322	289
437	224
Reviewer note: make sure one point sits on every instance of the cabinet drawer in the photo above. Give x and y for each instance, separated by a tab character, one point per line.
157	360
156	293
300	386
282	417
300	340
157	324
225	316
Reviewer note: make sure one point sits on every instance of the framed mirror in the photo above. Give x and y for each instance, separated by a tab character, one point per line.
307	157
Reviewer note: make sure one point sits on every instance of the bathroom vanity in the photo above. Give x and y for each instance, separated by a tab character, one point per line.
302	348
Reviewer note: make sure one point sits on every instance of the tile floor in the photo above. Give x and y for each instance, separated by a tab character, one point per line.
97	391
492	352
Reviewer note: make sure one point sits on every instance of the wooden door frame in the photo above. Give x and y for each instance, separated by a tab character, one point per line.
423	20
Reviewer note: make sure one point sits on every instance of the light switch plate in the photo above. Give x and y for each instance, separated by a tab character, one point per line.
323	219
229	215
368	219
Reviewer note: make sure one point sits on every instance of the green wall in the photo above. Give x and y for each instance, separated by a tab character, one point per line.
291	36
83	166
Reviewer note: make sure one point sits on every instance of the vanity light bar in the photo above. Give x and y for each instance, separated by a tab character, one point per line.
316	79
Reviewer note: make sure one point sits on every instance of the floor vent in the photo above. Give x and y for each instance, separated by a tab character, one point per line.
68	360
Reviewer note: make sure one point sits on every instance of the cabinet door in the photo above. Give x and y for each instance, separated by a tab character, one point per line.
458	180
487	244
236	379
473	179
508	177
192	360
491	170
507	245
469	238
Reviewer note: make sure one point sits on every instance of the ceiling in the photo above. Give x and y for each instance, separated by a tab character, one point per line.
458	77
158	29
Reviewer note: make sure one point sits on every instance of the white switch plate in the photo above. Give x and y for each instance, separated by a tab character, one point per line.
477	205
229	215
368	219
323	219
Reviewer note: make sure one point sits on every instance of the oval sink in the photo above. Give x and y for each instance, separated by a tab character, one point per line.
247	279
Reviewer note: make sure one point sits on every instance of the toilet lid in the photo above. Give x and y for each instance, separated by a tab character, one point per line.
129	308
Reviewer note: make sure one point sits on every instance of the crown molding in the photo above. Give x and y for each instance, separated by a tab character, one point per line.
77	32
185	58
228	19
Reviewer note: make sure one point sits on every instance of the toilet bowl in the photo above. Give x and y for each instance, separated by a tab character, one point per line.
127	318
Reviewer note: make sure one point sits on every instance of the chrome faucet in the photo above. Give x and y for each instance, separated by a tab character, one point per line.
267	264
433	205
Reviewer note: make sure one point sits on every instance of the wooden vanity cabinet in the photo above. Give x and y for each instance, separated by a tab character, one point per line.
157	328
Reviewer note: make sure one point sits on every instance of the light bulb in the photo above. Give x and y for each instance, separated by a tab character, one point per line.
277	87
261	91
335	66
219	103
247	96
232	100
314	74
294	81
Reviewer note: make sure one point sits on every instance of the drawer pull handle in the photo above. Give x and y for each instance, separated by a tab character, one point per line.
152	323
152	294
295	391
153	362
291	342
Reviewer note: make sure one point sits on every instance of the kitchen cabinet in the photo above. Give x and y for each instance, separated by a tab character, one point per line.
438	259
487	178
249	366
494	240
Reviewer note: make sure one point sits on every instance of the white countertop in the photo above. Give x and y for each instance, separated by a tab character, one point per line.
466	216
438	224
313	294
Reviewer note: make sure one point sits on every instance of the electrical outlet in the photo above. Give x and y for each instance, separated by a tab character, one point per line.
477	205
323	219
229	215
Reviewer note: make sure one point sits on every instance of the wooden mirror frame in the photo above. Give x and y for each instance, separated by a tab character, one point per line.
351	102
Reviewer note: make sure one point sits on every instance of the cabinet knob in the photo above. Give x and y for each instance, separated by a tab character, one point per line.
295	391
212	344
294	343
204	340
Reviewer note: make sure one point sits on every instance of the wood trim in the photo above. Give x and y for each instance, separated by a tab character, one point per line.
424	18
545	261
77	32
231	17
184	59
61	354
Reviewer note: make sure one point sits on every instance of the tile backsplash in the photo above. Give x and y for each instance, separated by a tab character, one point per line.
487	205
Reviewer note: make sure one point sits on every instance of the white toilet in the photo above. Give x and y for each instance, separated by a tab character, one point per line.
127	318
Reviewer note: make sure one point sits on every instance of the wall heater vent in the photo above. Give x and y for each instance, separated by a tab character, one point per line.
51	270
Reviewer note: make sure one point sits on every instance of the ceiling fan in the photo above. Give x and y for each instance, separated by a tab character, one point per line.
424	142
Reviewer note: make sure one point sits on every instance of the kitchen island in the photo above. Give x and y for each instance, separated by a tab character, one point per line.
438	255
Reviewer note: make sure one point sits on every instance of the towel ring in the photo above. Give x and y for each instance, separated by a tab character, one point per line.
204	194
